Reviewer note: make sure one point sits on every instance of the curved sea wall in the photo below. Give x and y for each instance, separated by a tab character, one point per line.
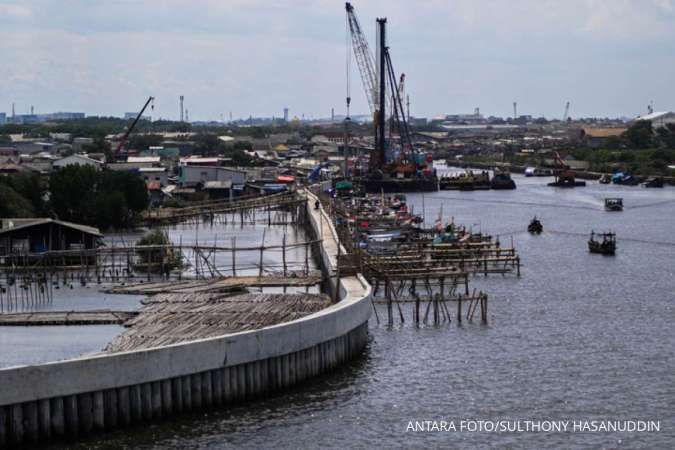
77	396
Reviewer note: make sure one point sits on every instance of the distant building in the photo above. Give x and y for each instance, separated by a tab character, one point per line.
64	116
597	137
285	114
80	142
29	147
132	115
158	174
3	118
78	160
659	119
194	175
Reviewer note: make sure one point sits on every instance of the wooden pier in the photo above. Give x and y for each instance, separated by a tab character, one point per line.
216	285
43	318
209	209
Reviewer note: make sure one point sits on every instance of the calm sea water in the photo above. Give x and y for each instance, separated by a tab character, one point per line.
577	337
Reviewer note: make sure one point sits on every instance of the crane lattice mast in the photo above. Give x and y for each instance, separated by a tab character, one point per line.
364	58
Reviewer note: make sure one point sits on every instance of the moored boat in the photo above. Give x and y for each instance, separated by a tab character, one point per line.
502	180
654	182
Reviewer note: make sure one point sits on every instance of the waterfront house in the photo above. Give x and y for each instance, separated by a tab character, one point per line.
37	235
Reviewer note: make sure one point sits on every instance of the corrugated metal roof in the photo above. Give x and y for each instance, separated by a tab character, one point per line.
226	184
42	221
654	115
143	159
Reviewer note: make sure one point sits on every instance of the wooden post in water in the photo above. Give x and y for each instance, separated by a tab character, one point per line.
234	262
283	253
459	309
262	249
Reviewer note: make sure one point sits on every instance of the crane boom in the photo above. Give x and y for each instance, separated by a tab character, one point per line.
364	58
133	125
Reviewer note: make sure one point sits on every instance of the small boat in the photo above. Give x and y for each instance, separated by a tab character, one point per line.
529	171
605	246
502	180
535	226
605	179
654	182
614	204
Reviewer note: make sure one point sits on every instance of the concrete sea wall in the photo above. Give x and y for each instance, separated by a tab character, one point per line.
75	397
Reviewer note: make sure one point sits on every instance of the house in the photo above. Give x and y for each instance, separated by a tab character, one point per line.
659	119
144	161
39	235
158	174
597	137
79	160
79	143
219	189
199	161
194	175
29	147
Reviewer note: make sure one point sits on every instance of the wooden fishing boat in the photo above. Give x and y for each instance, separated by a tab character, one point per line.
605	243
535	226
614	204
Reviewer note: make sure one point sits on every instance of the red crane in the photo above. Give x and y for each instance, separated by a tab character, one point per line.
125	138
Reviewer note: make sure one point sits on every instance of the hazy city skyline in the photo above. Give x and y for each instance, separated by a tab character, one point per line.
608	58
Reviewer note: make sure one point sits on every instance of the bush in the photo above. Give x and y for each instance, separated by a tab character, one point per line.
160	260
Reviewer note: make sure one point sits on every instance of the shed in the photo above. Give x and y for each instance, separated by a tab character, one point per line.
44	234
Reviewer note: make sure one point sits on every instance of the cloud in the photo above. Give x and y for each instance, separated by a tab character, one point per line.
255	56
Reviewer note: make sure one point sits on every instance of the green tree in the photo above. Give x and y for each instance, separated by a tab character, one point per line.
640	134
13	204
72	193
33	188
106	199
666	135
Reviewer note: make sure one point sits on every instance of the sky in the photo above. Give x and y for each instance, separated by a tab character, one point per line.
608	58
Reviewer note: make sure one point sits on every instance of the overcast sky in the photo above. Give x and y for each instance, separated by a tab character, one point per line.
607	57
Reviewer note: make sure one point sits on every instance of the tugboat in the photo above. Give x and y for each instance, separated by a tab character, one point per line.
502	180
606	246
614	204
535	226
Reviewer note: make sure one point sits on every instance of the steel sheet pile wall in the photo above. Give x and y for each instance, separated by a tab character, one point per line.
76	397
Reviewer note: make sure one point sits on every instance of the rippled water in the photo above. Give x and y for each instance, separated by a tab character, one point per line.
577	337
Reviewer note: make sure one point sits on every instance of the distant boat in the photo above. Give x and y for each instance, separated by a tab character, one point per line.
529	171
605	179
502	180
624	178
614	204
535	226
654	182
467	181
606	246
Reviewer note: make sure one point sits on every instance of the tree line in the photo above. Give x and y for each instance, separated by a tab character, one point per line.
104	199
